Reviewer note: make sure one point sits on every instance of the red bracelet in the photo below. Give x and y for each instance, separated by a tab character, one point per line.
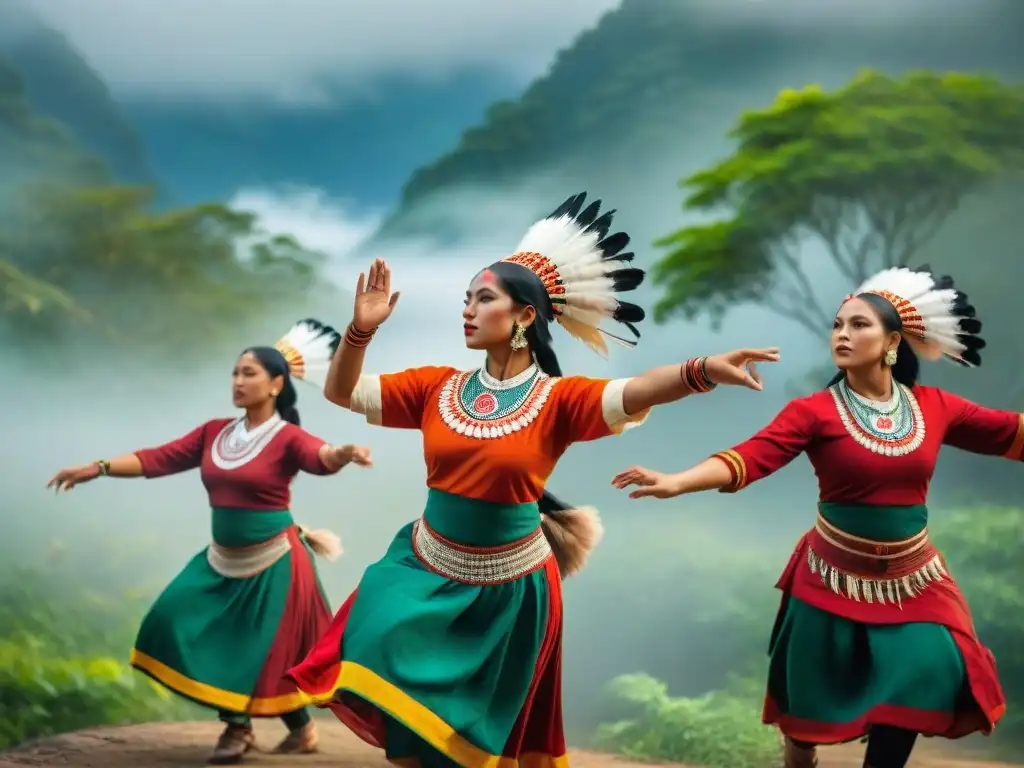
357	338
694	375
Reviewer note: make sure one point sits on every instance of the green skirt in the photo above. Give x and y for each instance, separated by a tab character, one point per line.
445	671
838	666
228	642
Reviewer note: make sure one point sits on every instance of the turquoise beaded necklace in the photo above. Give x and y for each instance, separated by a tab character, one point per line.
488	399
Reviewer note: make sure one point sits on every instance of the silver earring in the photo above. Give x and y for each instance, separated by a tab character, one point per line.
518	337
890	357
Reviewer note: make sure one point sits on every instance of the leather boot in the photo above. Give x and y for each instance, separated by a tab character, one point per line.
232	745
301	741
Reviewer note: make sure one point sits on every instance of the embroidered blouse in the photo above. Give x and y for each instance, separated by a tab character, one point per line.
878	463
494	440
257	476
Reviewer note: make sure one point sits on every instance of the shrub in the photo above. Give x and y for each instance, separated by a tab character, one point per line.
62	647
717	730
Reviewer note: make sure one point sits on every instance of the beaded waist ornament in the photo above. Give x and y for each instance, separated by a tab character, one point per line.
479	565
873	571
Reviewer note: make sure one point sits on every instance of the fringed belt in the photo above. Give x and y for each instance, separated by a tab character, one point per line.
479	565
877	571
246	562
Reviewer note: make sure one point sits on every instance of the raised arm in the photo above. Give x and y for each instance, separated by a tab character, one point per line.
669	383
768	451
373	305
987	431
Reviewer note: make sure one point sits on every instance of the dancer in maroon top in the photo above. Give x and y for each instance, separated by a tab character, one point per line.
249	606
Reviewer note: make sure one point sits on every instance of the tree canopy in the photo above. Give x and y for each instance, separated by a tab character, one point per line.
101	261
82	257
869	171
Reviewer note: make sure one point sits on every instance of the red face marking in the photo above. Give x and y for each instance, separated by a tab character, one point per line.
487	276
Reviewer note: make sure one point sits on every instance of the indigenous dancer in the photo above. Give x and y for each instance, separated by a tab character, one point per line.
449	651
250	605
873	636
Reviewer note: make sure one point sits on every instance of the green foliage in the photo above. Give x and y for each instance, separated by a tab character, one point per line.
717	730
105	259
84	259
42	694
62	647
20	293
735	612
982	550
870	171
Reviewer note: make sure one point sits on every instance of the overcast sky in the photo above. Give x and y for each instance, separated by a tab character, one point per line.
290	50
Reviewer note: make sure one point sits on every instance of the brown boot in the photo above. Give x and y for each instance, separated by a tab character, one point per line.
799	757
232	746
301	741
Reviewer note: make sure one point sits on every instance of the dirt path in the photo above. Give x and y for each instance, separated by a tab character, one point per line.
177	745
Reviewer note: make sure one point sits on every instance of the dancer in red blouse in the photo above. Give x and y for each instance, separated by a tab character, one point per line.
249	606
873	636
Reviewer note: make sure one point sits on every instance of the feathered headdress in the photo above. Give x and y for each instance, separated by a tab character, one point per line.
308	348
583	268
937	319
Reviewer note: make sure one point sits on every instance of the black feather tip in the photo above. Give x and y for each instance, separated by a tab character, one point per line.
612	248
964	311
323	329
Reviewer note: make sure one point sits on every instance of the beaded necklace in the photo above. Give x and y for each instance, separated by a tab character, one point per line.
236	446
893	428
477	405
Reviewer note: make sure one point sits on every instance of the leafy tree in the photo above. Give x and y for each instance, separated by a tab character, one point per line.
22	293
869	171
104	256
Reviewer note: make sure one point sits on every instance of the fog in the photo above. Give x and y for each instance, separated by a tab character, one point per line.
94	403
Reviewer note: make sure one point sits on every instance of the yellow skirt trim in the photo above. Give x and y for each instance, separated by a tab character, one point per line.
213	696
428	726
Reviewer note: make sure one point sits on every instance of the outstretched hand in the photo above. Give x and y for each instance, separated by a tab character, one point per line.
355	454
68	478
649	482
374	301
739	367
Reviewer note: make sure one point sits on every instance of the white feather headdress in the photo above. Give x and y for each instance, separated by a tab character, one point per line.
308	348
583	268
937	319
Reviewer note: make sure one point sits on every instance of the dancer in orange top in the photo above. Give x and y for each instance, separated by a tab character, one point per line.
449	651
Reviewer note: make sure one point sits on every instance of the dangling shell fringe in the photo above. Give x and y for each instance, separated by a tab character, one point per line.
895	591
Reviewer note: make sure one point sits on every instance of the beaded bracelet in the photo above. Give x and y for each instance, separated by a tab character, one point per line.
357	338
695	375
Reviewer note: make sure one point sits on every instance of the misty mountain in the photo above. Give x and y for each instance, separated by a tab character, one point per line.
34	145
58	83
649	72
358	149
362	150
